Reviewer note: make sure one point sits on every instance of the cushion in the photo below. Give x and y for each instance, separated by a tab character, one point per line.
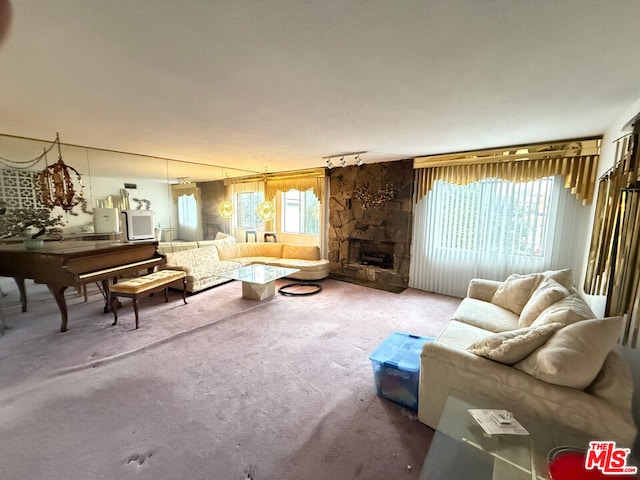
614	382
485	315
460	335
563	277
511	347
302	252
515	291
566	311
574	355
547	293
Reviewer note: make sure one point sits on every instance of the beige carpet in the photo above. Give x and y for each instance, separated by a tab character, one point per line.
221	388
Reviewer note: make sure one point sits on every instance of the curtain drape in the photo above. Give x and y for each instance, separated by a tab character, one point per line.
493	228
575	160
188	218
614	256
301	180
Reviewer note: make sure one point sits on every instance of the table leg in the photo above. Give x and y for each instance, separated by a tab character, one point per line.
258	291
58	294
23	292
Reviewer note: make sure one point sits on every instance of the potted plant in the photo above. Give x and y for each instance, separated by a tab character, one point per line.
31	223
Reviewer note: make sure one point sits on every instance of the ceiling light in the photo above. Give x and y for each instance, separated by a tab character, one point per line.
359	161
343	162
329	164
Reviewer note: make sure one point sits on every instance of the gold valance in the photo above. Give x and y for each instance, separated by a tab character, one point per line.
575	160
179	189
301	180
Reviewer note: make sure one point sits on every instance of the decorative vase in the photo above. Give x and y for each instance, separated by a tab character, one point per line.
33	243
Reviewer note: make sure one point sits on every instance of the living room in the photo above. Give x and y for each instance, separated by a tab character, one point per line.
155	103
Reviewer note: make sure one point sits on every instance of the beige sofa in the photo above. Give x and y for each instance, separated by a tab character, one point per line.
204	261
531	344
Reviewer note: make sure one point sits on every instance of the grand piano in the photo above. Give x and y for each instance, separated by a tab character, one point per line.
64	264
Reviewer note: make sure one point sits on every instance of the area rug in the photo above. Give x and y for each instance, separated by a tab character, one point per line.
221	388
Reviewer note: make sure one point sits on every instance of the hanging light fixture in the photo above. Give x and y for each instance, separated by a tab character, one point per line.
226	209
266	210
359	161
56	185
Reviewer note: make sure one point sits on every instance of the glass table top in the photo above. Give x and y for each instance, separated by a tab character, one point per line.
258	273
461	449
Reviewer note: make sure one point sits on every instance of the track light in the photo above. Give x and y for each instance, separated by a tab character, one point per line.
343	162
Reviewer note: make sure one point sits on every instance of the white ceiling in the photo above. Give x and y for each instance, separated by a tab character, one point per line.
279	84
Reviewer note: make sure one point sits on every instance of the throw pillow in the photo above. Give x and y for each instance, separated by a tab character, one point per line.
563	277
548	293
570	309
574	355
512	346
514	293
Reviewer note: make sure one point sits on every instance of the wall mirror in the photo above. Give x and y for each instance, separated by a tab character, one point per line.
184	196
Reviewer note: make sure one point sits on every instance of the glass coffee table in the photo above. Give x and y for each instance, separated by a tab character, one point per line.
258	281
460	448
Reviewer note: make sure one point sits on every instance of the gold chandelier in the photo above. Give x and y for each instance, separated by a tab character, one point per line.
226	209
266	210
56	185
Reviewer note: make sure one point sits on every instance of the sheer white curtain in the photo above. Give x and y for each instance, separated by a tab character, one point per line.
188	218
492	228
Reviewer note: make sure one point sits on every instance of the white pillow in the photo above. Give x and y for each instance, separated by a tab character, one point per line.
563	277
514	293
512	346
547	293
570	309
574	355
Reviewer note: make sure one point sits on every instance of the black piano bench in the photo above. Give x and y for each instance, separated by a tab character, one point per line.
147	284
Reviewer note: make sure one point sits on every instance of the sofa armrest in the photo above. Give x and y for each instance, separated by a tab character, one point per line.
445	369
482	289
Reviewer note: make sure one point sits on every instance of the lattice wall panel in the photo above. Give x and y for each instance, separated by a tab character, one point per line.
17	189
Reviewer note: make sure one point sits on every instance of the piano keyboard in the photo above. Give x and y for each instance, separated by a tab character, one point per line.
91	276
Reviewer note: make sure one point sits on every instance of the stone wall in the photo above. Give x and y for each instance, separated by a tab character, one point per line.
387	225
213	194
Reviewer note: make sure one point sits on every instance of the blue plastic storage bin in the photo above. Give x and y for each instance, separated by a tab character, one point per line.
396	368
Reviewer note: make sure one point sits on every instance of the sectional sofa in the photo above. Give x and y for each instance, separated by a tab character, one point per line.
204	261
532	345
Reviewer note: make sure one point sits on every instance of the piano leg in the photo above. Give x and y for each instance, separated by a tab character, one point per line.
58	294
105	291
23	292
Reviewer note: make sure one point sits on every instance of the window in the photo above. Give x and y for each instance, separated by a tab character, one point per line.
493	228
300	212
247	204
495	217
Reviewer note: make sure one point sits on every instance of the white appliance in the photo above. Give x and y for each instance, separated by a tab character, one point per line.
106	220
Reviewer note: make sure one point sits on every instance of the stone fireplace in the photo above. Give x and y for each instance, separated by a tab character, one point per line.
371	244
368	252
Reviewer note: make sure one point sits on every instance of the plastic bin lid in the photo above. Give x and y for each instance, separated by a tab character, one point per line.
401	350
